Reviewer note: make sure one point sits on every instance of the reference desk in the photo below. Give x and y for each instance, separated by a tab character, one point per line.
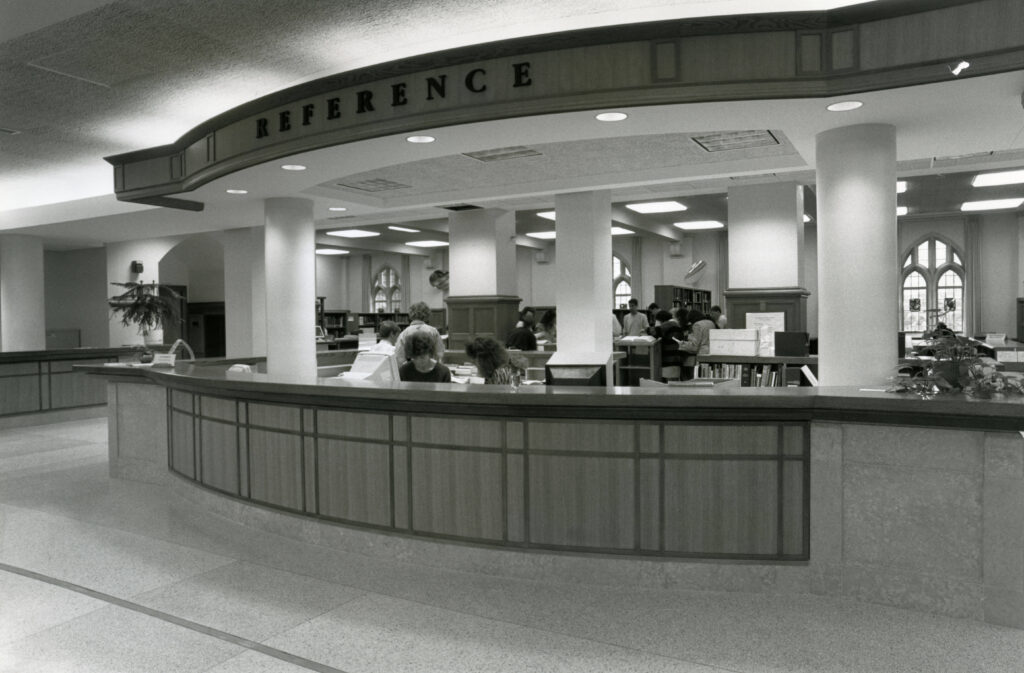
878	496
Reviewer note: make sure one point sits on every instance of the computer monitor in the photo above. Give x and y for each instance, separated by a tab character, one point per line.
792	344
320	332
575	375
373	367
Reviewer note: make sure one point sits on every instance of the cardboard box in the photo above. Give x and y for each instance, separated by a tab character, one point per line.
734	342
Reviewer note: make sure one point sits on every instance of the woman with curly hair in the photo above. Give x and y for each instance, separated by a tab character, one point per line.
492	361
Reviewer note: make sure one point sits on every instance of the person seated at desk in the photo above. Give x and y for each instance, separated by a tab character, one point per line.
388	336
698	341
419	314
492	361
634	323
668	330
546	328
522	338
421	367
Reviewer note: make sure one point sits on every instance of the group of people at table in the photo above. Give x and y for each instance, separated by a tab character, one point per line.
683	334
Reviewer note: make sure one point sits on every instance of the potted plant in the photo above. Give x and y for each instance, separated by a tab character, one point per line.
147	305
957	364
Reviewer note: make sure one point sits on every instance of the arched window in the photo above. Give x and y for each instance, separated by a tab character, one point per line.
386	294
622	285
933	286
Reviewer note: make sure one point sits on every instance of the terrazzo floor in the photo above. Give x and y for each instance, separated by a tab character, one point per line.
99	574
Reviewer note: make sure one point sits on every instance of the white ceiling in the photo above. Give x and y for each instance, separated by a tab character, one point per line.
93	78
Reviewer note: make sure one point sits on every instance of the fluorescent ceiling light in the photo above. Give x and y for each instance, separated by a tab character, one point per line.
547	215
901	211
1000	178
620	231
844	106
611	116
545	235
237	191
293	167
656	207
901	186
421	139
807	218
353	233
428	244
393	227
699	224
994	204
338	209
331	251
959	68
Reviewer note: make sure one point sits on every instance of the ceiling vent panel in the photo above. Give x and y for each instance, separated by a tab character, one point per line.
735	140
503	154
374	185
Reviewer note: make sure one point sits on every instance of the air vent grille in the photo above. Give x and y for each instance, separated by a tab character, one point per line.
735	140
374	185
503	154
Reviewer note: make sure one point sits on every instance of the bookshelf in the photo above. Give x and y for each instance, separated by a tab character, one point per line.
664	295
334	322
375	319
642	361
763	372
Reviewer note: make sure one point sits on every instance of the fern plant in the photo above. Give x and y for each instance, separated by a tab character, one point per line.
147	305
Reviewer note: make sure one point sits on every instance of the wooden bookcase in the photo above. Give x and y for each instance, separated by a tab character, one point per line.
375	319
757	371
664	295
334	322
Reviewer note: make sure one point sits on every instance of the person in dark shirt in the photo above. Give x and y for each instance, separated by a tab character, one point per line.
522	337
421	367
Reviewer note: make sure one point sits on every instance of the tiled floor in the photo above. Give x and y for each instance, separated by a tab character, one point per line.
105	575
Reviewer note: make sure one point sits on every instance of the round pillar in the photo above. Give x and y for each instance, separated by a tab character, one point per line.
22	306
291	288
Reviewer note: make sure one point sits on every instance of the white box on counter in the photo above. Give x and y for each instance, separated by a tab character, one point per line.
734	342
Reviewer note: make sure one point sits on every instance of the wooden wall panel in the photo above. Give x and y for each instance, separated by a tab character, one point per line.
582	436
76	389
355	481
274	416
744	56
311	467
457	493
20	394
649	491
515	497
181	400
793	508
794	440
348	424
467	432
400	505
182	444
219	456
215	407
586	502
19	369
275	468
721	439
721	507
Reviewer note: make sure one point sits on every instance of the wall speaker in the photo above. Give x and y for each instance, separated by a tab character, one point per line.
136	266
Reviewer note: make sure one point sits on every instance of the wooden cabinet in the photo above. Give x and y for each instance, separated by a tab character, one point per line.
334	322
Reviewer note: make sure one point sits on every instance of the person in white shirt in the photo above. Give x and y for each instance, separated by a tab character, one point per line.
388	336
419	314
634	323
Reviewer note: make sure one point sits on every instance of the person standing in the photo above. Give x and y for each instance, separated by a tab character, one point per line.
698	342
717	317
634	323
419	314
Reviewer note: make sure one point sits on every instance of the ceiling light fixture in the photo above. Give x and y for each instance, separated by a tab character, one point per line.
338	209
996	179
901	211
547	215
428	244
331	251
901	186
421	139
407	230
237	191
543	235
611	116
353	233
994	204
621	231
656	207
959	68
293	167
807	218
844	106
699	224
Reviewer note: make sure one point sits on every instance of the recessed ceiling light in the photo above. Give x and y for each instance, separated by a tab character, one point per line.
237	191
994	204
1000	178
353	233
620	231
611	116
331	251
421	139
844	106
656	207
699	224
901	211
901	186
807	218
544	235
547	215
293	167
393	227
428	244
338	209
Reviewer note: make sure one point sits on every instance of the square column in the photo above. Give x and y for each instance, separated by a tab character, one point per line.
22	296
584	271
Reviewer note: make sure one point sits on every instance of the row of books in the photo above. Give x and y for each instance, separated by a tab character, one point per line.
719	370
758	376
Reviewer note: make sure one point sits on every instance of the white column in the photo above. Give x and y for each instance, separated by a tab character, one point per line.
858	274
766	236
22	295
482	253
584	271
291	289
245	303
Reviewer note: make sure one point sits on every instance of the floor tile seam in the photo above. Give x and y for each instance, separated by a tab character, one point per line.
203	629
37	470
57	461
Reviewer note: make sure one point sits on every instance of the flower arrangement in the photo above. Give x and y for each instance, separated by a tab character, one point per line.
956	366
